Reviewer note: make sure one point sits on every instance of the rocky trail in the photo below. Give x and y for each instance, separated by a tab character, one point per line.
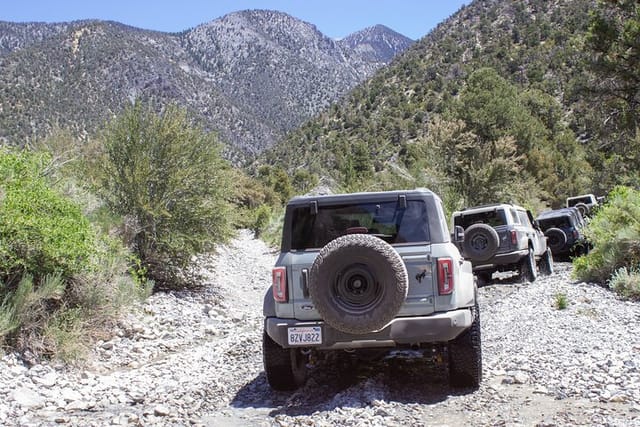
196	359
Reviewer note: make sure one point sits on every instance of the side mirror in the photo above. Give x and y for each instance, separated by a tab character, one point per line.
458	234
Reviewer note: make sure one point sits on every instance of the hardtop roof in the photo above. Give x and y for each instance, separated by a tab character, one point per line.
362	196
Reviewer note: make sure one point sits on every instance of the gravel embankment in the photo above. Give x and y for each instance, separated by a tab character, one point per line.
195	359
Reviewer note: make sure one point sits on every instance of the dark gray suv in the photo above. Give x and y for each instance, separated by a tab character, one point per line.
564	231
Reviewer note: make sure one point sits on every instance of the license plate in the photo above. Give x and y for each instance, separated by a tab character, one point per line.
305	335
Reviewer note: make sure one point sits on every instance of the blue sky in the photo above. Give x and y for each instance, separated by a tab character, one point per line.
334	18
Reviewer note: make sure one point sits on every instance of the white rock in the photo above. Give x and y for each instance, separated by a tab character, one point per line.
28	398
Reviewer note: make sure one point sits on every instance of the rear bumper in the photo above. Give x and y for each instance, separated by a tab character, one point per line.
439	327
570	247
500	259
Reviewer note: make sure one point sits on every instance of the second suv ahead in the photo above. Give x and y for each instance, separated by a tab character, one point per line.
563	228
503	237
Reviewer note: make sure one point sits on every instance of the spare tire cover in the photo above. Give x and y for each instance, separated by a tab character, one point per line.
556	239
481	242
583	208
358	283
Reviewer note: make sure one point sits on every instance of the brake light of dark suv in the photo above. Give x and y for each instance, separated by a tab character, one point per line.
445	276
279	287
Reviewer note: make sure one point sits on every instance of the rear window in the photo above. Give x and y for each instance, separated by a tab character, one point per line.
386	220
575	200
493	218
555	222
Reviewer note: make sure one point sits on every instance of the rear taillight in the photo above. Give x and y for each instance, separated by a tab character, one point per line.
279	288
514	237
445	276
575	234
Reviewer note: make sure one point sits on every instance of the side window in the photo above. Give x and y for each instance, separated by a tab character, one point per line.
514	216
524	219
414	224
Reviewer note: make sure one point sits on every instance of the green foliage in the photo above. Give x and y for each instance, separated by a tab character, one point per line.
614	43
66	334
61	281
28	308
272	232
357	166
516	136
41	233
262	219
303	181
248	195
277	180
615	234
560	301
167	177
626	282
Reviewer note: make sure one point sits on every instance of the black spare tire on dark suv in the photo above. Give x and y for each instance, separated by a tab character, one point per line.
358	283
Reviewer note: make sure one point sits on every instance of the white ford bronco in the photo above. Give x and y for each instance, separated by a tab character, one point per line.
585	203
503	237
367	271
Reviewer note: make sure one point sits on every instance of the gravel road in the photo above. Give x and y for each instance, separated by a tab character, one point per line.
195	359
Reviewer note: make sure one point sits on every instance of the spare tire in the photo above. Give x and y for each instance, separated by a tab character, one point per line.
556	239
481	242
358	283
584	209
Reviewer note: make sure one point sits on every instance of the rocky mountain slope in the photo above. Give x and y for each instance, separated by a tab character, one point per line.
537	47
250	75
376	44
196	359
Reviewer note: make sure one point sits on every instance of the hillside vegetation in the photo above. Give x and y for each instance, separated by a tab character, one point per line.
250	76
498	91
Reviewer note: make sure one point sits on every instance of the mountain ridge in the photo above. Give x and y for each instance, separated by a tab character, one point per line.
249	75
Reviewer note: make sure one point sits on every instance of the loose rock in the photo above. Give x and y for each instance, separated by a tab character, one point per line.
188	358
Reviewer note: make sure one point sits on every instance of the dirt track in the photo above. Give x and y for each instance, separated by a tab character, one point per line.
196	359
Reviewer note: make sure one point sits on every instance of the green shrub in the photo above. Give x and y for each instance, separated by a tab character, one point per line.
614	232
560	301
61	282
28	308
626	282
272	232
262	217
168	180
66	334
41	232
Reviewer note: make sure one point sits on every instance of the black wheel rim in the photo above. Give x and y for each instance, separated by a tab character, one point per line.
479	243
356	290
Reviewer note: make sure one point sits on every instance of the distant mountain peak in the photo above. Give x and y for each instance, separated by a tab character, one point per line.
377	43
251	75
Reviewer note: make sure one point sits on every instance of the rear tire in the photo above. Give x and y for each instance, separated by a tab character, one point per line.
584	209
528	271
484	277
465	356
546	263
286	368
